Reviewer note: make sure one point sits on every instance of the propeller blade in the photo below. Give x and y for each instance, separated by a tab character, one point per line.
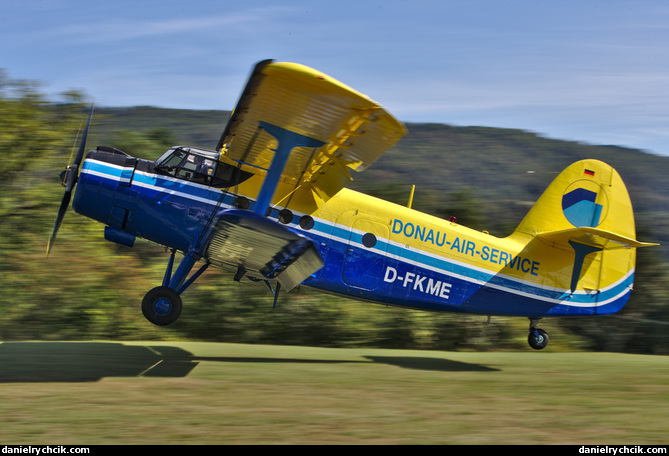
73	174
70	180
64	203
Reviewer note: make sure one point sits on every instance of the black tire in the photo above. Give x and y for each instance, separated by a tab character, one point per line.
538	339
162	306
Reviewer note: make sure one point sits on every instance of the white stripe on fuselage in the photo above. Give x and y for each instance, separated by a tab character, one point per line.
565	298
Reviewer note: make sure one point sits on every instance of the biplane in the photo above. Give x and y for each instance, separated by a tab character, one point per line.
270	204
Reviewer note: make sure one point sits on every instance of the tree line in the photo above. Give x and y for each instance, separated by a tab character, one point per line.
89	288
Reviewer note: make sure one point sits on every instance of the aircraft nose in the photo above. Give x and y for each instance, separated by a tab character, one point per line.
104	179
63	176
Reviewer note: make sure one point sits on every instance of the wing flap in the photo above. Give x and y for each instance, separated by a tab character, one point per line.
355	130
263	248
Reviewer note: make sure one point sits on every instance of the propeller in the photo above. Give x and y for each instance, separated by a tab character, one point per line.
69	179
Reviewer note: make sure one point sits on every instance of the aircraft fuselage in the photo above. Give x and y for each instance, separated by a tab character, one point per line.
371	249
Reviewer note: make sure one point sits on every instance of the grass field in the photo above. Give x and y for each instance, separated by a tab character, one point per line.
82	393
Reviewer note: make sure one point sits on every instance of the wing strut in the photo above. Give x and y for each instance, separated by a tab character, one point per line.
288	140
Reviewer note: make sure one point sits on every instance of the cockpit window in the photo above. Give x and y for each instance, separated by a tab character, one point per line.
184	165
227	175
200	168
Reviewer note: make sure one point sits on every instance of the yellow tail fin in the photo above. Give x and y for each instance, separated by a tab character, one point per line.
585	212
589	193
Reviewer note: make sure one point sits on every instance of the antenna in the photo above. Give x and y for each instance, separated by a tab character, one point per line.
413	188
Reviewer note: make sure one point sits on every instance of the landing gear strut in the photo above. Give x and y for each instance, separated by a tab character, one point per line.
538	338
162	305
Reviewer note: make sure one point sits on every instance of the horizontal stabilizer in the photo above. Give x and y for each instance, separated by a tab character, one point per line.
263	248
603	239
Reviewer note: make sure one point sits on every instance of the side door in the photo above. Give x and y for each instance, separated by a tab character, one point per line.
364	261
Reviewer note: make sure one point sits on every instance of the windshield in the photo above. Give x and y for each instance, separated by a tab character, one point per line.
188	166
201	167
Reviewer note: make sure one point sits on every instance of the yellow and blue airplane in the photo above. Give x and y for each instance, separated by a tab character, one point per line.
270	204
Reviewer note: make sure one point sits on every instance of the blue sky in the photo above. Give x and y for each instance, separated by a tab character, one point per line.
595	71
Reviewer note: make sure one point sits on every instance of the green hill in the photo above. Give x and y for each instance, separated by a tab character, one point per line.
90	288
500	171
505	171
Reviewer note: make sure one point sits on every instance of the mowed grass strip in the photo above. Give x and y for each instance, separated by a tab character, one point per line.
83	393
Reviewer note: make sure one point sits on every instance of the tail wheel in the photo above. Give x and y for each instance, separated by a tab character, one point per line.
162	306
538	338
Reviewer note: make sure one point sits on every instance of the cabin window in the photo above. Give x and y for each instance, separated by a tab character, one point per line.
369	240
306	222
285	216
227	175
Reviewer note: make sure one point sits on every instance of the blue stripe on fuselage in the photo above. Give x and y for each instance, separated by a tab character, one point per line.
423	276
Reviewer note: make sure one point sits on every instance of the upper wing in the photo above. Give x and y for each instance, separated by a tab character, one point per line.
355	129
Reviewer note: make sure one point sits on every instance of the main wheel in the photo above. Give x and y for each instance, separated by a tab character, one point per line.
162	306
538	338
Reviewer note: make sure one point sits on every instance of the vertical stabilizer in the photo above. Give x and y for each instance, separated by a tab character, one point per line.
583	227
589	193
